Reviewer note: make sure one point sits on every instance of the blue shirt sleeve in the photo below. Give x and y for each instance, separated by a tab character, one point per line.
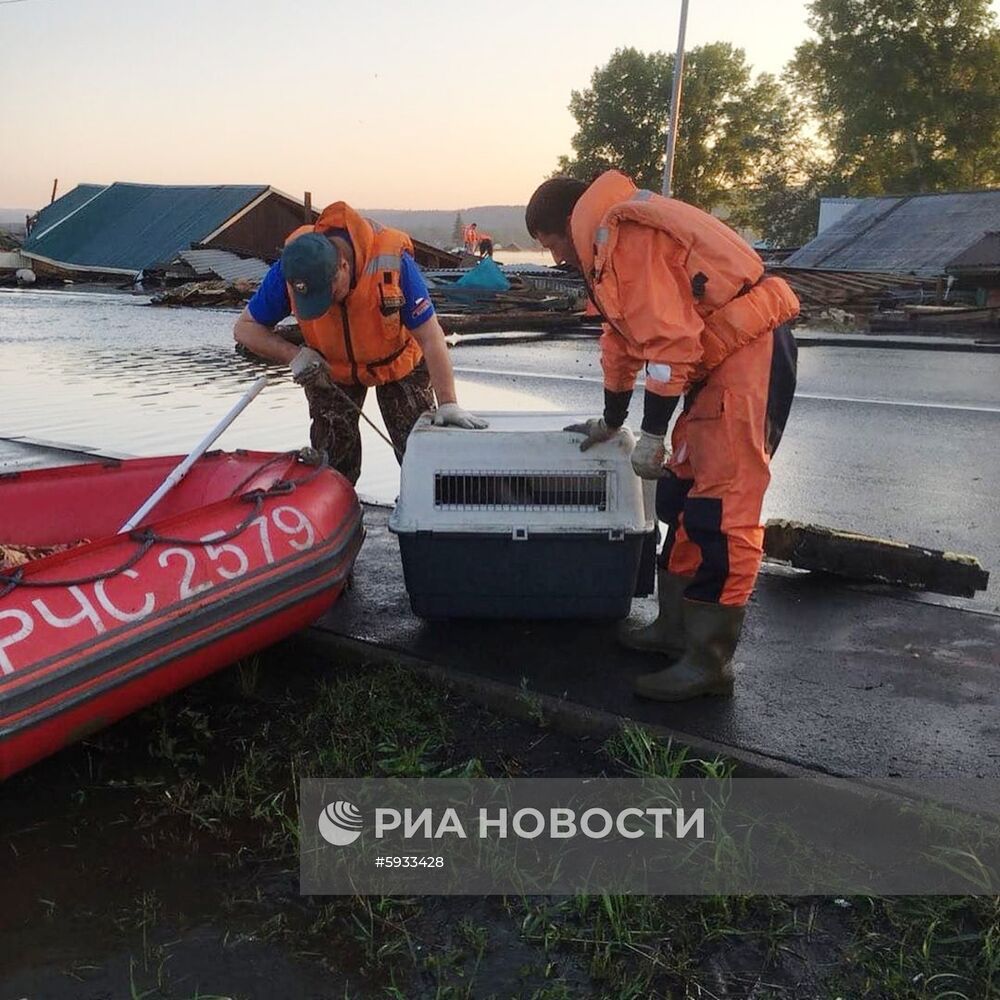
417	308
269	304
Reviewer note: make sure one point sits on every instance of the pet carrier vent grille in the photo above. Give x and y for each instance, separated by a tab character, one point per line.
576	491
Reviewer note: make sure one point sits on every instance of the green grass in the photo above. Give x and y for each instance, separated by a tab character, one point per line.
215	777
643	755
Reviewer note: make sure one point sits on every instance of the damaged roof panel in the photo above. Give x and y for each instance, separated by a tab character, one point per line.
916	234
225	265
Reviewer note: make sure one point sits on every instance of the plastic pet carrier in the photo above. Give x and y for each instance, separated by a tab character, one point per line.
516	522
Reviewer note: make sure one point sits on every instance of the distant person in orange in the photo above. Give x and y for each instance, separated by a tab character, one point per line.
471	238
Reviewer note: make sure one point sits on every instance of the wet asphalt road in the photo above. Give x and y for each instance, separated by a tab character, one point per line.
896	443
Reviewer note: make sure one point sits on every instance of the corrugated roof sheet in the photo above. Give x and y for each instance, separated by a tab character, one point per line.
224	264
981	256
128	227
919	234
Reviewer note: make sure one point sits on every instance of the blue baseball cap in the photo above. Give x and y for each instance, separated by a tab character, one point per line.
309	264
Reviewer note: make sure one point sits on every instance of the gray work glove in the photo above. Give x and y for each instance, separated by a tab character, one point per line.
452	415
650	456
596	430
309	367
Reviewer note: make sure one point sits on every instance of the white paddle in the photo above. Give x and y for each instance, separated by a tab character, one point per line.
184	467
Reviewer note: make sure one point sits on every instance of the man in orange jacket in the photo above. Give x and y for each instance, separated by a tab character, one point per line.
471	238
685	298
367	321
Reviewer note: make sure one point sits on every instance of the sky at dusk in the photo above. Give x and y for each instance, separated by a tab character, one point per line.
389	105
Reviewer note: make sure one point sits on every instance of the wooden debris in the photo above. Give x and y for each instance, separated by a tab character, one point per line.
12	556
858	293
206	293
939	319
863	558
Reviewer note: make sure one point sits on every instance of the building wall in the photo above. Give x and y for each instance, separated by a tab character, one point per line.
262	232
263	229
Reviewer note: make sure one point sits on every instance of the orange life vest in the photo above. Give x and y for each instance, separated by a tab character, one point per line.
732	296
363	338
471	237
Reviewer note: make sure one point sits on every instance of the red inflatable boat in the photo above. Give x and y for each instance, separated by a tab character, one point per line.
247	549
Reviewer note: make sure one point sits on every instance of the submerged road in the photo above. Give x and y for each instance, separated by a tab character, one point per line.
894	443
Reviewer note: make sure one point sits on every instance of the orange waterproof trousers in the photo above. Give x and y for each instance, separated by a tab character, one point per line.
722	447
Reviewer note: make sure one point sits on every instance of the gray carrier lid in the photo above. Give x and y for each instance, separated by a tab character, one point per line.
523	473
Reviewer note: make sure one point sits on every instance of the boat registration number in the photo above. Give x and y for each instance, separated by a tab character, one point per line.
164	576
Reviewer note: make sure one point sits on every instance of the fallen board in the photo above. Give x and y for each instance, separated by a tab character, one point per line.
861	557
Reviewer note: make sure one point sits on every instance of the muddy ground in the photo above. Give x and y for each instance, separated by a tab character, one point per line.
158	860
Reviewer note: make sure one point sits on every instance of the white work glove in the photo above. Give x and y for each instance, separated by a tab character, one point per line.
596	430
309	367
452	415
650	457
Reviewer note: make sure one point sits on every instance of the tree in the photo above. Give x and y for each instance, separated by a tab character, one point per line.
906	92
734	130
457	230
784	209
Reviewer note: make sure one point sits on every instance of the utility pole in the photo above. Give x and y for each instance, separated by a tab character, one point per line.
675	103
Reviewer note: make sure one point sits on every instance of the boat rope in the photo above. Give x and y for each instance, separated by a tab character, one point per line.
368	420
147	537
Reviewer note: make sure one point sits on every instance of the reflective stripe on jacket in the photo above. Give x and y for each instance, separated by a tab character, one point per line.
363	338
680	291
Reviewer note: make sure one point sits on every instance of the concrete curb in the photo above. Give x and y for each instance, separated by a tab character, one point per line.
575	719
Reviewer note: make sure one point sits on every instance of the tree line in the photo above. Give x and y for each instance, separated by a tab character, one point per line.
888	97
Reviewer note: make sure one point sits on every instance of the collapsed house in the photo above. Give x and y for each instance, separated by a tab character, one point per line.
117	231
919	261
124	231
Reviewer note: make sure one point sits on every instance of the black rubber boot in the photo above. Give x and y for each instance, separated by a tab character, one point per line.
713	632
666	634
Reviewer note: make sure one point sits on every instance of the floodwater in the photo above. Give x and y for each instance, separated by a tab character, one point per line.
523	257
108	371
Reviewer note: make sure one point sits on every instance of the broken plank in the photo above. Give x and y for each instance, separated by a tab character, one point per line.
864	558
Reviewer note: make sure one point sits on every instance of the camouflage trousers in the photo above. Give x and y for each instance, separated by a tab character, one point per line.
335	429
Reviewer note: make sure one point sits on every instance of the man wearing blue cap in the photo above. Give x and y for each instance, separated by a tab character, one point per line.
368	322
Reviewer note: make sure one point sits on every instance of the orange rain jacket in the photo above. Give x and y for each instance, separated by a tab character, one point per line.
678	289
363	338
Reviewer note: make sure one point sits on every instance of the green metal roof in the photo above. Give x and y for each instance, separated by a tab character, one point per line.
128	227
63	206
